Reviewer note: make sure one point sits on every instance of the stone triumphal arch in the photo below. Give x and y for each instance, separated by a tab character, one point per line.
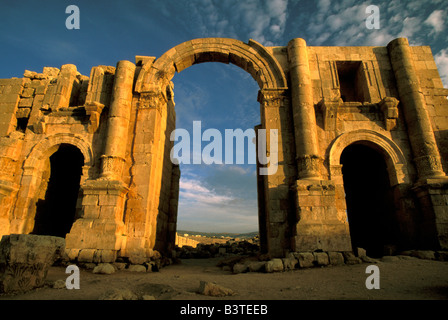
323	102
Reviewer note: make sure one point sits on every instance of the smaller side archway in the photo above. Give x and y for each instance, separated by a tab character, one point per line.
371	176
56	210
36	172
397	166
369	199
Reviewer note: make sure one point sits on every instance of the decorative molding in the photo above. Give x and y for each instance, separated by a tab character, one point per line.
111	167
389	107
272	98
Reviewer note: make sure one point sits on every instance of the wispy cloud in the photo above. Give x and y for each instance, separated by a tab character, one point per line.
263	21
436	21
193	192
219	198
441	59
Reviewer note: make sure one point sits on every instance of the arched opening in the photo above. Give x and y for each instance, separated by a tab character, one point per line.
155	76
369	199
55	213
217	199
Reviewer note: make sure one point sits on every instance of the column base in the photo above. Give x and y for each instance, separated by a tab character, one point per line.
319	227
101	226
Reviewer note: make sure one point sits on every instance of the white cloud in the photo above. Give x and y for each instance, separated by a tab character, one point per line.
263	21
411	26
441	59
193	192
435	20
201	208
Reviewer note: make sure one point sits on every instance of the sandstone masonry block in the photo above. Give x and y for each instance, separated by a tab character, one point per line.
306	259
25	260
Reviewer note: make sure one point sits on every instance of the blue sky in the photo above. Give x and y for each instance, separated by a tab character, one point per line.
219	198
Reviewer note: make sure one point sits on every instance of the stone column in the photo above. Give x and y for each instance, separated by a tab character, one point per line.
118	121
421	135
307	148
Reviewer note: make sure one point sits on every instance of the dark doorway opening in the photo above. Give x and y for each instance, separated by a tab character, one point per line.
55	214
369	199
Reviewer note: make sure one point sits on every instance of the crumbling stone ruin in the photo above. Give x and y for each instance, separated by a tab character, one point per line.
362	150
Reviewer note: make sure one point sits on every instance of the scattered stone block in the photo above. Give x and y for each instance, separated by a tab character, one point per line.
86	255
119	294
350	258
321	258
360	252
390	259
104	268
335	258
256	266
136	268
214	290
290	263
424	254
25	260
239	268
274	265
59	284
306	259
119	265
367	259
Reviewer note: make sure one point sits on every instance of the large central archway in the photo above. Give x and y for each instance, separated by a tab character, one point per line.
252	57
156	105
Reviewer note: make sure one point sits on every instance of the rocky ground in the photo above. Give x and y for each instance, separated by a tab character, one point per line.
401	277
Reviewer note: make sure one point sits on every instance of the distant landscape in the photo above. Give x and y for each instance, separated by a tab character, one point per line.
218	234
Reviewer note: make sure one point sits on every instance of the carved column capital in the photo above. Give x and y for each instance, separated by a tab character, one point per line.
309	166
111	167
273	97
152	100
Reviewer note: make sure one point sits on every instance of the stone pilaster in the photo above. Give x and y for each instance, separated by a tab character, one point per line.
147	174
275	108
307	146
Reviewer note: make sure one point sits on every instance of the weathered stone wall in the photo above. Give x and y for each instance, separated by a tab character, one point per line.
185	241
320	99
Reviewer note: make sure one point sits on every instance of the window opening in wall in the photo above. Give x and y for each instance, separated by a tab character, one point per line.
22	123
350	81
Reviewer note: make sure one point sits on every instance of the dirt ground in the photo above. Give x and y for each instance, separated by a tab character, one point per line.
402	279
